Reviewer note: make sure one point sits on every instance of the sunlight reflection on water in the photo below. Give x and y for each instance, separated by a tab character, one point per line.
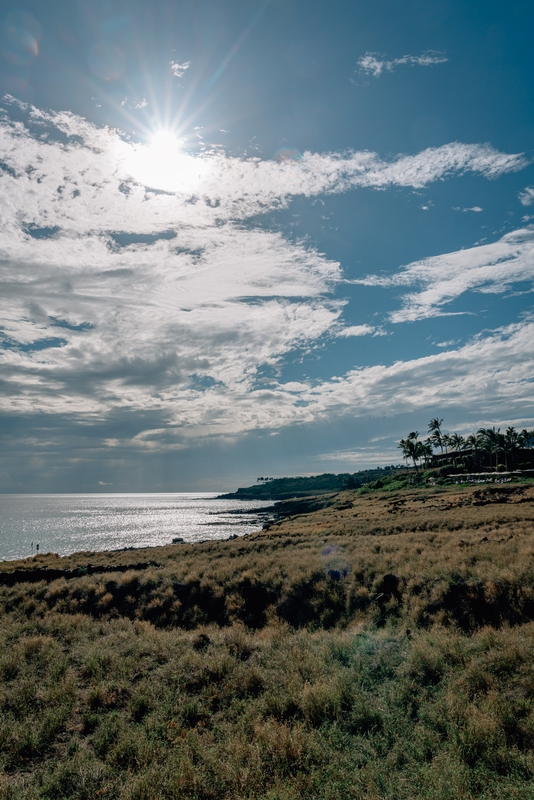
69	523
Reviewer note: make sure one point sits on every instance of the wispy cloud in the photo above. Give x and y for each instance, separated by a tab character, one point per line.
365	455
356	330
179	68
160	299
526	197
476	209
374	64
488	268
492	371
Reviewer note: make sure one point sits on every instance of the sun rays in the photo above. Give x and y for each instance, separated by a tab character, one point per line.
162	164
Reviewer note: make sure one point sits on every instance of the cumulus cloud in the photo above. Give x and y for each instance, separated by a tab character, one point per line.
132	288
526	197
476	209
374	65
489	268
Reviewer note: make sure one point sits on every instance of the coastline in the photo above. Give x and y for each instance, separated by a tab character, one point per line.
104	522
366	641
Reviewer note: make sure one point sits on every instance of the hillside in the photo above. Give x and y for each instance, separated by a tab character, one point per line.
379	645
285	488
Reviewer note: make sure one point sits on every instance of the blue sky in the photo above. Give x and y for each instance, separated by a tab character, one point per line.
259	238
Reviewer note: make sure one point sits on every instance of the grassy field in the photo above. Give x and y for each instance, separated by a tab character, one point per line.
380	647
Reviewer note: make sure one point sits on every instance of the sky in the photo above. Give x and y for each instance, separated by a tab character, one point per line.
259	237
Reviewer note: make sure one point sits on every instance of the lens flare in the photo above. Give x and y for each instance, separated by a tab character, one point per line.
335	563
19	38
287	154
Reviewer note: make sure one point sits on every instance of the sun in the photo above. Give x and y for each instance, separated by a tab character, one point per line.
162	164
164	145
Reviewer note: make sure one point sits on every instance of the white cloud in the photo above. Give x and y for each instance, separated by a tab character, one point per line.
526	197
119	297
356	330
488	268
250	186
179	69
347	459
476	209
494	372
124	297
374	65
208	187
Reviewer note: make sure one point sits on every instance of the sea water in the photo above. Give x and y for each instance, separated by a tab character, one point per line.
68	523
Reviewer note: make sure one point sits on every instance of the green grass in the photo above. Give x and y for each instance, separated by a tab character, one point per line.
123	710
282	488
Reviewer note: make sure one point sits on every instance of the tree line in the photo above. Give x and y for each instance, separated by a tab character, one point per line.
488	447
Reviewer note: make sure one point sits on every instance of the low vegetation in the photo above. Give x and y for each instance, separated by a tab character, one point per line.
379	646
285	488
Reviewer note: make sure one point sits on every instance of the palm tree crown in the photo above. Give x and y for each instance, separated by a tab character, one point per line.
482	448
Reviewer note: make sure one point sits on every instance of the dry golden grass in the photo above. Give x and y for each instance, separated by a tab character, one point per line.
461	556
378	649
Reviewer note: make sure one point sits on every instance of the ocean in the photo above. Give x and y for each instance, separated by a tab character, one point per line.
69	523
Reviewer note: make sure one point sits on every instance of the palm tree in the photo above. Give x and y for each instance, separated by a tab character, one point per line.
484	438
492	443
421	452
457	442
412	448
437	440
434	428
526	440
404	446
427	451
473	442
511	443
435	425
